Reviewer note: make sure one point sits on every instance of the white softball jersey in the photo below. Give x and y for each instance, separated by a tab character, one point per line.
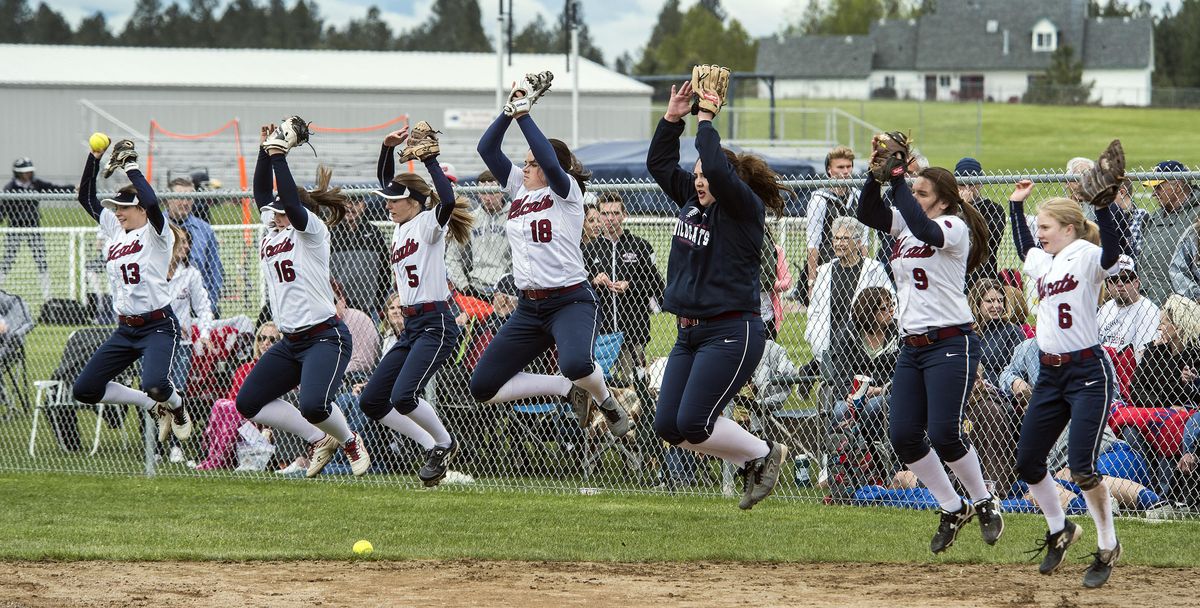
418	260
930	280
189	300
1068	288
136	262
295	267
544	231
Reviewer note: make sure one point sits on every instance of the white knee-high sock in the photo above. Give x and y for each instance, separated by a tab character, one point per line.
335	425
1045	492
409	428
594	384
175	401
284	416
929	470
525	385
733	443
119	393
428	419
1099	503
970	474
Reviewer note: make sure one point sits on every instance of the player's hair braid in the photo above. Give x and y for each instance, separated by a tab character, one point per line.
326	201
945	187
568	161
755	172
461	218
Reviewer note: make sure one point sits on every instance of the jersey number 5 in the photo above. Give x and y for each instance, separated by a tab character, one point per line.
284	271
920	279
413	279
131	273
542	231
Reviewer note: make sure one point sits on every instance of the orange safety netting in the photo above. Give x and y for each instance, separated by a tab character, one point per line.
243	180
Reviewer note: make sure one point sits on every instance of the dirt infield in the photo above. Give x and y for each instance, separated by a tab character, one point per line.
537	584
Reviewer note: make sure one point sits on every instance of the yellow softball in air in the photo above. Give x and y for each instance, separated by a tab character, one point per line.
99	142
363	548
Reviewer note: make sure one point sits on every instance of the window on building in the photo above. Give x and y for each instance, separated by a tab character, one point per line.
889	82
1045	36
944	80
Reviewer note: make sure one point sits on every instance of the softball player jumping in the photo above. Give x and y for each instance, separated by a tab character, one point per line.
556	305
138	252
418	260
933	251
1076	377
712	285
294	258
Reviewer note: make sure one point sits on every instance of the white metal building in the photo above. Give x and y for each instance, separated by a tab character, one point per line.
55	96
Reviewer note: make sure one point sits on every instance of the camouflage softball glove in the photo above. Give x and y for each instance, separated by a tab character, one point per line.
422	143
890	156
710	83
123	157
526	93
1100	184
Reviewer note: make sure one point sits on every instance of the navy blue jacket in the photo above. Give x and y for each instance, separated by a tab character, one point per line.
715	252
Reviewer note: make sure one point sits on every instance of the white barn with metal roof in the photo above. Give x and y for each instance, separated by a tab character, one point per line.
55	96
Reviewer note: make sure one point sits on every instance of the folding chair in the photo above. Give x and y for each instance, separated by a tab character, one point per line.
543	432
600	441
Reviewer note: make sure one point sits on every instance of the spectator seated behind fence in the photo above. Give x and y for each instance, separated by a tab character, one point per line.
1127	320
476	266
867	347
825	206
1178	202
15	323
204	255
1017	310
365	351
1185	263
838	283
221	434
998	335
993	214
358	259
1165	391
26	214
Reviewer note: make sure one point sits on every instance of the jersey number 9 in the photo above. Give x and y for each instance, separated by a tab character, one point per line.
920	278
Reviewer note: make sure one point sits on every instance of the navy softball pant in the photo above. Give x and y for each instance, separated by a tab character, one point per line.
1078	393
708	366
154	343
566	320
930	391
428	340
316	362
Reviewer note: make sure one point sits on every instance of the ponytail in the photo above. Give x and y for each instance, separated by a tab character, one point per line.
176	246
946	189
461	220
329	203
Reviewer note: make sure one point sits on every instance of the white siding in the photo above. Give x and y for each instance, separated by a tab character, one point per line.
1120	87
822	88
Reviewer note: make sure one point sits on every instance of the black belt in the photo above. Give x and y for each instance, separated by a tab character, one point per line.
312	331
686	322
542	294
937	335
140	320
1061	359
416	309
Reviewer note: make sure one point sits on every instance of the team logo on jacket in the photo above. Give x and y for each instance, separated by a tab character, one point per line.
120	251
695	235
523	206
408	248
276	249
1063	285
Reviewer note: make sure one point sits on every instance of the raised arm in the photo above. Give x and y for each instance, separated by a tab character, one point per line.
925	229
87	186
385	169
1022	239
288	196
489	150
1110	237
722	178
148	199
662	160
543	152
871	209
445	191
263	191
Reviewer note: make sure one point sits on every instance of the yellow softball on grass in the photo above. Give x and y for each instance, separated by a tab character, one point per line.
99	142
363	548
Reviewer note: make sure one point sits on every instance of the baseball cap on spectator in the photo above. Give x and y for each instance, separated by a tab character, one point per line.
448	169
1166	166
1126	266
23	165
968	166
507	285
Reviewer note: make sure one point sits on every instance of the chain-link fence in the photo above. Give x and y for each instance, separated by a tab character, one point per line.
826	298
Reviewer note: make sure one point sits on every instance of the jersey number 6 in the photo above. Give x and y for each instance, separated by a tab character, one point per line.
284	271
1064	316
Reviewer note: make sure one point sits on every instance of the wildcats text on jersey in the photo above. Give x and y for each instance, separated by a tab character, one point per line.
924	250
120	251
523	206
695	234
408	248
1063	285
276	249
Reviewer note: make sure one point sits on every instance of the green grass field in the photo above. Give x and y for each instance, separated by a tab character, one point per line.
67	517
1015	137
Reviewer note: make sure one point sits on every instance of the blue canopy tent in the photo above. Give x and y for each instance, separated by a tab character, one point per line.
626	161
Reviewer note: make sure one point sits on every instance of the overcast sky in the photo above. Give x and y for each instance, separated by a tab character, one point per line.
616	25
